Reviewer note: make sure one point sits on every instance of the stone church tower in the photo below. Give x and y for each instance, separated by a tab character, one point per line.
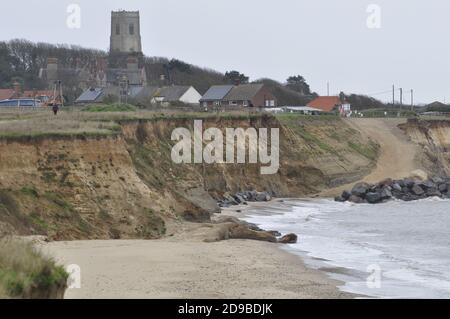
125	32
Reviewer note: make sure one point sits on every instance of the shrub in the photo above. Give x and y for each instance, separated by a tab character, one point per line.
26	273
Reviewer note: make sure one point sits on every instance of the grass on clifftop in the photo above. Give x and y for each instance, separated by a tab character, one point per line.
116	107
25	272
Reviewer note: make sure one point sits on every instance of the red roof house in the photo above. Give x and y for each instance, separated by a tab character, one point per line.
326	103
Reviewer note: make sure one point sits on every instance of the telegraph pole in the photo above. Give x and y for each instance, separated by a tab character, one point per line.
328	88
412	100
393	95
401	98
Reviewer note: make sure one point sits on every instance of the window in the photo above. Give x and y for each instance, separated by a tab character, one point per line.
233	103
131	29
245	103
216	103
117	29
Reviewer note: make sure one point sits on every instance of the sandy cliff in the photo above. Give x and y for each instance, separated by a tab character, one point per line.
126	186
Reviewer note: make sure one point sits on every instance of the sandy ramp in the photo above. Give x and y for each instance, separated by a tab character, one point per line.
398	155
171	268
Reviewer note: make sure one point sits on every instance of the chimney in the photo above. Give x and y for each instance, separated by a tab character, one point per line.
52	69
17	89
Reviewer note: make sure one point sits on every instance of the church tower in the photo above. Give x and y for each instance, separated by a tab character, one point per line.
125	32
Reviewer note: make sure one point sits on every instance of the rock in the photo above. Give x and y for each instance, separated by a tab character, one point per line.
242	232
401	183
356	199
373	197
252	196
238	199
433	192
427	184
437	180
397	187
340	199
443	187
386	193
360	189
346	195
263	197
417	190
288	239
409	183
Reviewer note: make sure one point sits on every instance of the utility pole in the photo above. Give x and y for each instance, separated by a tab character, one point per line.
328	88
401	98
393	95
412	100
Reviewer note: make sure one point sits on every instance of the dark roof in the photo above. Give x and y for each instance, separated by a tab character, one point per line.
98	94
216	93
243	92
172	93
90	95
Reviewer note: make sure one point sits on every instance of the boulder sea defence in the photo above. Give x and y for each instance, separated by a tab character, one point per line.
408	189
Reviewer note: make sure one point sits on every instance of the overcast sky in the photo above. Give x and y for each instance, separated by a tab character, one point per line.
323	40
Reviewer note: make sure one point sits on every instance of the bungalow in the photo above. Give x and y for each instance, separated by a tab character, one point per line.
330	104
245	95
150	94
215	95
177	94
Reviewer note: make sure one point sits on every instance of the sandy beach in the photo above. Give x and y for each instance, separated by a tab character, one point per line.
179	267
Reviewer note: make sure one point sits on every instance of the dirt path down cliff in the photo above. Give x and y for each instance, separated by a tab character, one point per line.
397	154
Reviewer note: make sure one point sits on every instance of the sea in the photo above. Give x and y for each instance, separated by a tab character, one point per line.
391	250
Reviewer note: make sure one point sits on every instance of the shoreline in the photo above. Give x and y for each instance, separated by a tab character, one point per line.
185	267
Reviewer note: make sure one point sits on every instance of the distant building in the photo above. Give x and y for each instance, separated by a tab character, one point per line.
244	95
125	32
16	93
174	94
125	57
215	95
331	104
143	94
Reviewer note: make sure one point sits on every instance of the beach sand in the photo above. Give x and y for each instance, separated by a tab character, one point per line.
174	269
183	266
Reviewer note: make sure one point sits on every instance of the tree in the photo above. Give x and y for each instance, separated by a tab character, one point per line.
235	77
298	83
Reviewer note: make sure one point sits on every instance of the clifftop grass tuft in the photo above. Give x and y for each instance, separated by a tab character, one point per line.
26	273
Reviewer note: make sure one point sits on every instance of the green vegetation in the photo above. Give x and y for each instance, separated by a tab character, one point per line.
154	226
115	107
26	273
58	200
30	191
388	112
369	151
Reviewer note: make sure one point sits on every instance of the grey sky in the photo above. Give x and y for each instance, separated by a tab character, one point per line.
323	40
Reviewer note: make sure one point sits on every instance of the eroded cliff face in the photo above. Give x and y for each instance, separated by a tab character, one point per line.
127	186
434	138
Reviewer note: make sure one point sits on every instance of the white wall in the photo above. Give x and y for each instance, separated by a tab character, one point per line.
191	96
